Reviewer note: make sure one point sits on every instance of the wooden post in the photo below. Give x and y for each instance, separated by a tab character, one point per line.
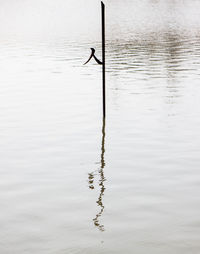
103	57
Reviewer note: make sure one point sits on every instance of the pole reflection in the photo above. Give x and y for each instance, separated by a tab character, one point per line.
101	181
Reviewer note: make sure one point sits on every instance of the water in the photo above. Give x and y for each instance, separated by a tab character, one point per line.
71	183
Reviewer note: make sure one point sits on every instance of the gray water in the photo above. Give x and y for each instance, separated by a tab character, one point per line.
71	183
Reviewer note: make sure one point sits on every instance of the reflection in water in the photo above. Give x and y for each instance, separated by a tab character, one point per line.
160	62
156	56
101	181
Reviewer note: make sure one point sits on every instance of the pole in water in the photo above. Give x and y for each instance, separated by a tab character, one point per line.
103	58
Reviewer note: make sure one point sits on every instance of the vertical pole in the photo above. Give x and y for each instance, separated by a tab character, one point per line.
103	57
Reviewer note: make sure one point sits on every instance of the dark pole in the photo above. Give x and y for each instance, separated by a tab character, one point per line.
103	57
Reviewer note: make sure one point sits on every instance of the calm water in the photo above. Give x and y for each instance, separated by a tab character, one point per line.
71	183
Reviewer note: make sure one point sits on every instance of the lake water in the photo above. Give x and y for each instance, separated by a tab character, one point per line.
73	183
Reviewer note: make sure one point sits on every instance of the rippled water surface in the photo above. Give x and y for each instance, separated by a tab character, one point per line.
73	183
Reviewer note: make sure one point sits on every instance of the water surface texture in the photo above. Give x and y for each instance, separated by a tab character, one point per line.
73	183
